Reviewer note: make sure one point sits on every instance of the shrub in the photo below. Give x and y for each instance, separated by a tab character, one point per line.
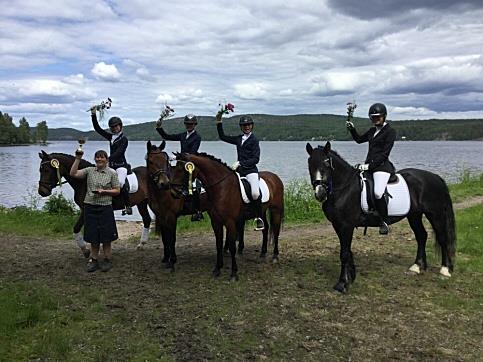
58	204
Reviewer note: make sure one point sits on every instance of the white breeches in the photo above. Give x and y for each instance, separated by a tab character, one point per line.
254	182
380	183
121	174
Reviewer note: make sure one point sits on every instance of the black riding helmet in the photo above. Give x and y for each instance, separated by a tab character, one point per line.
114	121
245	120
377	109
190	119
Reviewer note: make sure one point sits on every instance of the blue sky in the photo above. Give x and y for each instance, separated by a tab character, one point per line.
421	58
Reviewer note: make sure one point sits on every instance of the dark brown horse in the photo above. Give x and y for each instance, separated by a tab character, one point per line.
165	206
226	205
51	173
337	186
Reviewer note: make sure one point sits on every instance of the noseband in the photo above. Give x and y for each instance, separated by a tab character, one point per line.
55	164
167	170
327	183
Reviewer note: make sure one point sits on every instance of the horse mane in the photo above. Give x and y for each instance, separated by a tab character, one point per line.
213	158
334	153
82	164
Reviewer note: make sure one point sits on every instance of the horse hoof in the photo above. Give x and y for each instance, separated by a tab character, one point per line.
226	252
87	253
414	269
263	255
240	251
164	260
234	278
275	260
444	271
140	246
216	273
341	288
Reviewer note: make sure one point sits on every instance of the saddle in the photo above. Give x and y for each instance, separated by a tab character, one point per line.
246	190
396	195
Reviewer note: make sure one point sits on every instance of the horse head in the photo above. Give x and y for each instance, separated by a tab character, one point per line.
49	176
320	169
183	175
157	162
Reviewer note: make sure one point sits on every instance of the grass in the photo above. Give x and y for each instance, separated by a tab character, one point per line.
468	185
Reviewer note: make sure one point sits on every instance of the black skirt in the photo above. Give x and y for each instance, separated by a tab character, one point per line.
99	224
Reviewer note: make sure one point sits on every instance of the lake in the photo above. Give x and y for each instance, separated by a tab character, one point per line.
19	165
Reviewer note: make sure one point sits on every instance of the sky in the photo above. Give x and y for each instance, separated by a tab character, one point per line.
422	58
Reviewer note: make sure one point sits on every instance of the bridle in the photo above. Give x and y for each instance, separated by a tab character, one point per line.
327	182
56	165
167	170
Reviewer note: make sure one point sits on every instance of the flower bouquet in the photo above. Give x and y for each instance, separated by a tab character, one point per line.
224	109
165	113
102	107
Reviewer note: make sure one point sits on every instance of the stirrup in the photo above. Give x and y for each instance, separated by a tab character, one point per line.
383	228
127	210
259	224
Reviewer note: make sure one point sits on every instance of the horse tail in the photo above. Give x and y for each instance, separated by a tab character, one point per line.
447	237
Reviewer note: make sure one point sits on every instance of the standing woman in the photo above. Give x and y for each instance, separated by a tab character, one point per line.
99	223
190	143
248	156
381	139
117	149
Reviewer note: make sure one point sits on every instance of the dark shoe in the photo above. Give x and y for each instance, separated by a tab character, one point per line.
106	265
383	228
197	217
127	210
92	265
259	225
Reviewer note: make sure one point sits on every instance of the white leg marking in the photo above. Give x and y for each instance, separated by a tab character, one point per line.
415	269
444	271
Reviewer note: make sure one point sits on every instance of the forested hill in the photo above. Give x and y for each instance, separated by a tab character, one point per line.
299	127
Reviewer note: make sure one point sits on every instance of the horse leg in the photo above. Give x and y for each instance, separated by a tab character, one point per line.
348	269
416	223
78	237
265	231
171	231
240	227
218	230
438	223
231	240
164	239
276	222
143	210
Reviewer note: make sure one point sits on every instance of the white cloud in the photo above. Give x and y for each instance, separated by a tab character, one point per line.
106	72
254	90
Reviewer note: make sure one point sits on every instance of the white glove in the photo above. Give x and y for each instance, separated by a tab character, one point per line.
235	165
363	167
349	125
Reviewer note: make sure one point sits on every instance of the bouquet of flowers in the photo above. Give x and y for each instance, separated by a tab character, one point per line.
165	113
102	107
224	109
351	106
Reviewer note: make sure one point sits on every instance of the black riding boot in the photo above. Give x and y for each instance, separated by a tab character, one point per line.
381	207
257	205
125	198
198	215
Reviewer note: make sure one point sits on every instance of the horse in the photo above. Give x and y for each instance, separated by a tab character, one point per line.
54	166
165	206
226	205
337	186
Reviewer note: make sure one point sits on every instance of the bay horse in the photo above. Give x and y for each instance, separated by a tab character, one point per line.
165	206
337	186
52	172
226	206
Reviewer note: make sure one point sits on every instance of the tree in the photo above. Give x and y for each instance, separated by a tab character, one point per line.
7	129
42	132
23	131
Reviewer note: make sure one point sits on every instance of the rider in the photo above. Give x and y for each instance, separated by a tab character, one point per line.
117	149
248	155
381	139
190	143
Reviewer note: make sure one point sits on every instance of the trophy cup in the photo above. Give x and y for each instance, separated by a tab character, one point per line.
79	151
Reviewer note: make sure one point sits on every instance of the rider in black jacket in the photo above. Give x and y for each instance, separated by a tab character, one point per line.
248	155
190	143
381	139
117	148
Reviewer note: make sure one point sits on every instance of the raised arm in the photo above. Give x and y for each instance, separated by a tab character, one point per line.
74	170
168	137
229	139
95	123
359	138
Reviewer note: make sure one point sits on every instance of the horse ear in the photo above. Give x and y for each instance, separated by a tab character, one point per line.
162	145
148	146
176	154
327	147
43	154
309	148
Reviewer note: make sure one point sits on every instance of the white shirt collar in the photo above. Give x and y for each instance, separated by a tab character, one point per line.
245	137
189	133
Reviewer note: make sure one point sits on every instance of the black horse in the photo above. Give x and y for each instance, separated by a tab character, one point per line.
337	186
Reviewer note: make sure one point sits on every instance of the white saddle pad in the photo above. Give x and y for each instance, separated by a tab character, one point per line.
263	189
399	203
133	183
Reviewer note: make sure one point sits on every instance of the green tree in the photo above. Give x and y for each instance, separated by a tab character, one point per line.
8	131
42	132
23	131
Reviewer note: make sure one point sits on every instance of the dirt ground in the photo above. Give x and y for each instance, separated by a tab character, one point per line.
387	314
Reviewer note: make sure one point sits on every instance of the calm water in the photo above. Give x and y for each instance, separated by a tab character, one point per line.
19	165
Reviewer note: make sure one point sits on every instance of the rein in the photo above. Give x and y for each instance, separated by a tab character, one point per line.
55	164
